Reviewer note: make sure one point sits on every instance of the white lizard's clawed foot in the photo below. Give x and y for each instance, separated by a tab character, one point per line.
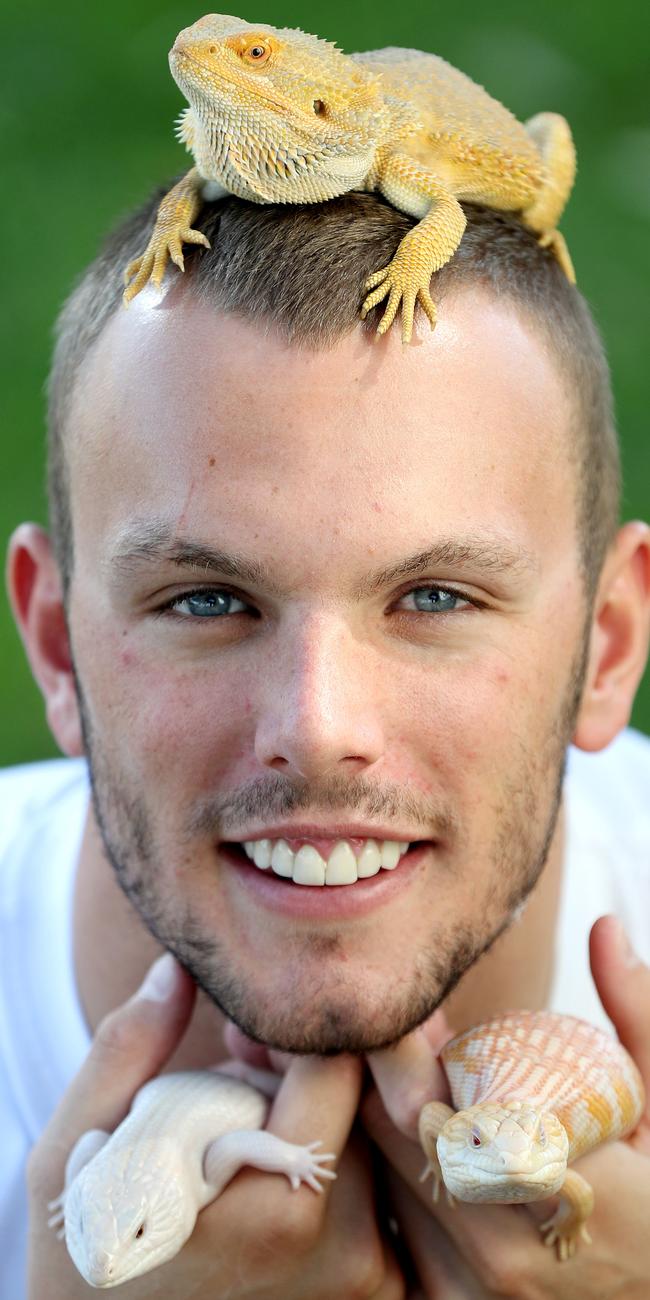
306	1167
57	1218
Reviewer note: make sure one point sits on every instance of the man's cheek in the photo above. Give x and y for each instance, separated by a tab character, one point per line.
164	717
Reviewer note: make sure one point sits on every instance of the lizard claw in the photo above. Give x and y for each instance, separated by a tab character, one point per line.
306	1167
151	266
58	1216
397	282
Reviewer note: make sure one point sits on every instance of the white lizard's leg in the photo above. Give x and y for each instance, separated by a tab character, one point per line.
229	1153
83	1150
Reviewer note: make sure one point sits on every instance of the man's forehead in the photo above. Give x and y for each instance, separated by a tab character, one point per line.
180	336
180	399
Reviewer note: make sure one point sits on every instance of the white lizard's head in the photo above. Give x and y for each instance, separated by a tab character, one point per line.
119	1223
292	107
503	1152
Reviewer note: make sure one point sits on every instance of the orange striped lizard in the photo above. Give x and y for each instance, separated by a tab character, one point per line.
532	1091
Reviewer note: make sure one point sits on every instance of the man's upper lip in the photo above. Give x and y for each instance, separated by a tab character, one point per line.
303	831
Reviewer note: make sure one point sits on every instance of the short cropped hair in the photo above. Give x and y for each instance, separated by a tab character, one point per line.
300	270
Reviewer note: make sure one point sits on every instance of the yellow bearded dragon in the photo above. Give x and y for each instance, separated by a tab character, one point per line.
279	116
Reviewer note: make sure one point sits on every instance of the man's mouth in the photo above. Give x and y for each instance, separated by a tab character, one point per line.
335	862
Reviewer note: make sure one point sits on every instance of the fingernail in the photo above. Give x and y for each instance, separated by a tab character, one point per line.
625	948
160	980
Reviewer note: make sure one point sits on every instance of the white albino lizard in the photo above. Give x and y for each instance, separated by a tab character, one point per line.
131	1199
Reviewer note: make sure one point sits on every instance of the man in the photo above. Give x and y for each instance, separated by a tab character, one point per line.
311	598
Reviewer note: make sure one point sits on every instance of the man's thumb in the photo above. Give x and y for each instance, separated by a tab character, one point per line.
623	984
131	1045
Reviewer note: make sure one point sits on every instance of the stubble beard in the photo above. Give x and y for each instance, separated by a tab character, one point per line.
328	1023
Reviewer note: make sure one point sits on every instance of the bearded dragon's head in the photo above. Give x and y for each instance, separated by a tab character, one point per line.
293	106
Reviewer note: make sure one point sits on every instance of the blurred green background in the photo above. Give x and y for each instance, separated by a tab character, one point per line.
86	122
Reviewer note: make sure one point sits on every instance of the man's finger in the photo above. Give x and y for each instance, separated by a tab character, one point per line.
623	984
408	1074
243	1048
318	1101
439	1265
131	1045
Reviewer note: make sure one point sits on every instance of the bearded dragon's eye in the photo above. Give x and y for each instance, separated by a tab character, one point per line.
258	53
319	108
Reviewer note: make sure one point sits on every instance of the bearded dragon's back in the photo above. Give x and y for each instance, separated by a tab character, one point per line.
447	105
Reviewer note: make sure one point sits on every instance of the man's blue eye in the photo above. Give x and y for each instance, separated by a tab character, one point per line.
428	599
205	604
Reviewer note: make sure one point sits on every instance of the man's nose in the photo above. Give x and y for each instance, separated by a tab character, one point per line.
321	703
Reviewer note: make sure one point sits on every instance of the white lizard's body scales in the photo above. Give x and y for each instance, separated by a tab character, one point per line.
131	1198
554	1063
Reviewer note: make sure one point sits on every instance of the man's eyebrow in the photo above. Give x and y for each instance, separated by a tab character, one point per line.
151	544
480	553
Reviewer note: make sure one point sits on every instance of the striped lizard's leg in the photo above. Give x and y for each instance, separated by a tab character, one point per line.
412	188
82	1152
551	134
173	228
433	1118
565	1228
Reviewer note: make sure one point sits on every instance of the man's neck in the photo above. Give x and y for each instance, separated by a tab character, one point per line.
112	951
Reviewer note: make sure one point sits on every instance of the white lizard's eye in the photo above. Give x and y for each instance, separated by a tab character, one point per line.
140	1232
476	1138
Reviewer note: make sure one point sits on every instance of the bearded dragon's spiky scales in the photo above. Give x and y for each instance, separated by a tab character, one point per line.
278	116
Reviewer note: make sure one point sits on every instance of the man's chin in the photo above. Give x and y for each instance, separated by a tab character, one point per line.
331	1028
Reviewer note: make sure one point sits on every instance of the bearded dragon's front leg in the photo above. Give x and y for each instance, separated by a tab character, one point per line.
414	189
173	228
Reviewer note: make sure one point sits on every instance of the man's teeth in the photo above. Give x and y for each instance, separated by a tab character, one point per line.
307	867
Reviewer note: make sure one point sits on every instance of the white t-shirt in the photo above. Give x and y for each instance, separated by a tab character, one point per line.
43	1034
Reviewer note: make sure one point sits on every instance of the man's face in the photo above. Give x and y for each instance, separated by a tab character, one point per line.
313	693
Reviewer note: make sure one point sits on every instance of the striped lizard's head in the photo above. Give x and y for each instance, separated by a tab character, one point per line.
301	119
505	1152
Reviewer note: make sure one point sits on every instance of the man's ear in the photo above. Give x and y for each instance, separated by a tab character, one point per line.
36	595
620	634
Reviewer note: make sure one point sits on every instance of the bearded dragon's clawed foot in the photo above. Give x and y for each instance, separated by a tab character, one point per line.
172	229
554	240
153	262
402	285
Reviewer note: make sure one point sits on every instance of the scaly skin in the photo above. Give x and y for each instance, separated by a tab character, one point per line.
533	1091
279	116
131	1198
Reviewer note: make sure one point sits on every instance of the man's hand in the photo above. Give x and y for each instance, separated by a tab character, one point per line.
472	1252
258	1239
